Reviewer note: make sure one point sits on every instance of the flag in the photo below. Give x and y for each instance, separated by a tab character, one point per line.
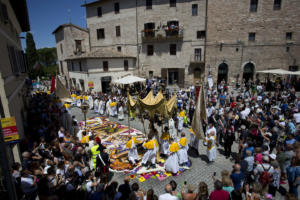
52	84
61	91
199	115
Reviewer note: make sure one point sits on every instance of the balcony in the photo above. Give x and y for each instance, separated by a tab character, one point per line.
167	34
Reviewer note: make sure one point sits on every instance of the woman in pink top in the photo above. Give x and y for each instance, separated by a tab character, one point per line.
258	155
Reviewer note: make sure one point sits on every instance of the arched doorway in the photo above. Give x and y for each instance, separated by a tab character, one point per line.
197	75
222	72
248	71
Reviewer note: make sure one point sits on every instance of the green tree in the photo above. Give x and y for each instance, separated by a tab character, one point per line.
31	52
47	56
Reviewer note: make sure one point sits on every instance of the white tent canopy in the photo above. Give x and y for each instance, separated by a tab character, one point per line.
129	80
278	71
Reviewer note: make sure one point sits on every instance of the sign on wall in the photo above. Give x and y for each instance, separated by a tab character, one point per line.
9	129
91	84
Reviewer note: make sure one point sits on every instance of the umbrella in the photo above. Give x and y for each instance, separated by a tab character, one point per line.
277	71
129	80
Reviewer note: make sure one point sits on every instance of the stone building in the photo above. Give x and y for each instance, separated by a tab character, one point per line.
166	37
85	68
250	35
13	67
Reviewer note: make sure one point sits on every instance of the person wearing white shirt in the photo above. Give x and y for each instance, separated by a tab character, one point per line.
61	132
168	195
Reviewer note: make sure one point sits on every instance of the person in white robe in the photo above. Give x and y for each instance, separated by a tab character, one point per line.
101	107
96	102
164	142
211	147
180	120
150	156
78	101
171	164
91	102
182	152
210	129
172	129
121	113
108	108
132	152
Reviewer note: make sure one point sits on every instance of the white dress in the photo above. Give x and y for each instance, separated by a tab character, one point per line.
96	102
121	113
101	108
171	164
172	129
180	123
212	153
150	155
165	147
90	99
114	111
182	154
132	153
78	103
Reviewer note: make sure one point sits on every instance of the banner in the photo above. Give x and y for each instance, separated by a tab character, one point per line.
210	82
52	84
9	129
90	84
199	115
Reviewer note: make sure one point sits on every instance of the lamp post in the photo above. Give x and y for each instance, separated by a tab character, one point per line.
84	108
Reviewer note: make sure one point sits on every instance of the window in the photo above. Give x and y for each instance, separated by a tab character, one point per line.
61	49
197	54
100	33
287	49
172	49
4	12
105	66
148	4
150	50
201	34
172	3
125	65
253	5
119	48
277	5
80	66
117	8
149	29
251	37
288	35
78	45
72	66
195	10
99	11
118	31
150	74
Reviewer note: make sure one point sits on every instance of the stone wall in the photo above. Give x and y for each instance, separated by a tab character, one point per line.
230	22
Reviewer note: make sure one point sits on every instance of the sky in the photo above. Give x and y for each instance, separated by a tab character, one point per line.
46	15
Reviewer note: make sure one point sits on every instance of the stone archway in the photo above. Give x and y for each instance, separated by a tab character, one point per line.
248	71
222	72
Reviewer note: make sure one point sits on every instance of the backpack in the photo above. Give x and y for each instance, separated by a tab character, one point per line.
265	177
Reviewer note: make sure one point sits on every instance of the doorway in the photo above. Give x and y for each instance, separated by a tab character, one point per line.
197	76
172	77
248	72
222	72
105	84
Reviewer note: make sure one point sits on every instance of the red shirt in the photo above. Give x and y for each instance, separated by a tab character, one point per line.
219	195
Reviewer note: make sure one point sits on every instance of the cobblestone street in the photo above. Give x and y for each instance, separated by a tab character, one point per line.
200	170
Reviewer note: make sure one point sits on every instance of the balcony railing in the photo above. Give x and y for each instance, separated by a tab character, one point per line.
163	34
195	60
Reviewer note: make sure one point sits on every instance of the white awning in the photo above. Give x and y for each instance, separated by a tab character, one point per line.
278	71
129	80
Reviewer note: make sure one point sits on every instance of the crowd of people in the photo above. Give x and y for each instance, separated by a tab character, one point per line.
57	163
